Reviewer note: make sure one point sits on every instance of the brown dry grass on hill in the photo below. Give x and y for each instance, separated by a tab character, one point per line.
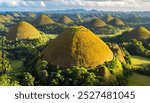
9	17
23	30
116	22
139	33
43	20
118	52
4	18
66	20
108	18
97	23
77	46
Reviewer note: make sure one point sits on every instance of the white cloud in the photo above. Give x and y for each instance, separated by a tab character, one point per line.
42	4
87	4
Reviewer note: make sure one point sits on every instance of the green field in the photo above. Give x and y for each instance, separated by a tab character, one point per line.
52	36
138	61
137	79
16	65
111	35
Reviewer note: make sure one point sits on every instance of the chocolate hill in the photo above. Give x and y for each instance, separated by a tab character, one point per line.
43	20
108	18
97	23
16	15
9	17
118	52
23	30
32	15
77	46
139	33
4	19
116	22
66	20
104	72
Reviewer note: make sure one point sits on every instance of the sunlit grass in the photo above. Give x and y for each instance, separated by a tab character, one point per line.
140	61
139	80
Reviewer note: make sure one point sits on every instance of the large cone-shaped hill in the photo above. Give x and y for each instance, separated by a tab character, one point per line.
108	18
32	15
97	23
116	22
77	46
23	30
43	20
139	33
66	20
16	15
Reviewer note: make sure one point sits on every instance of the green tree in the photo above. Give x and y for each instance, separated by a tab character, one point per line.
6	80
28	79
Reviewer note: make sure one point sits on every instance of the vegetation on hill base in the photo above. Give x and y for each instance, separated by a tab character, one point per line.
5	69
135	47
107	30
6	80
52	29
47	74
4	63
3	29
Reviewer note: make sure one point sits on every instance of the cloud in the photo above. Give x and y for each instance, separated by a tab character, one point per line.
42	4
86	4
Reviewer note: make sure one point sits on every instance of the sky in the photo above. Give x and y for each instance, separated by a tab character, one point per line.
106	5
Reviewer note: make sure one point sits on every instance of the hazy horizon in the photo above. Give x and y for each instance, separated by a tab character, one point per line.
44	5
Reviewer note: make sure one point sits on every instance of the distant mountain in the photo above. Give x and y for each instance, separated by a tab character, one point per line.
69	11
